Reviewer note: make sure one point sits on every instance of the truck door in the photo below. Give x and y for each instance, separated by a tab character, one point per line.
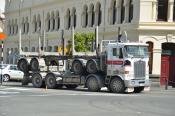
114	61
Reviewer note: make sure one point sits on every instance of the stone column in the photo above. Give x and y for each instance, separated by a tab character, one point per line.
154	3
56	22
118	14
170	10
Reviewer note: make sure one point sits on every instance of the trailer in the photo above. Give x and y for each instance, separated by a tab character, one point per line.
119	66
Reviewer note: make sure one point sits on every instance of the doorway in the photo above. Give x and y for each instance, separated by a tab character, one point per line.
150	50
168	64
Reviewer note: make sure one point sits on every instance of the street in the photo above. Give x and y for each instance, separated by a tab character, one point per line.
27	101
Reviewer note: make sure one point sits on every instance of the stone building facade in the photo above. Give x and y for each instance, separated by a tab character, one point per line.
149	21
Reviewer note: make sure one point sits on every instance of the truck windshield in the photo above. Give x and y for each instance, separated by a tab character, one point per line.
136	51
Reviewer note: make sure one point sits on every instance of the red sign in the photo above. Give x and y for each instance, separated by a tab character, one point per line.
3	36
114	62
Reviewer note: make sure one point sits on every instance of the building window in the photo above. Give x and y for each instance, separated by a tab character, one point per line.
33	49
8	28
131	8
122	11
16	26
23	26
67	19
38	23
162	10
74	18
57	21
92	15
113	12
174	12
26	25
34	24
85	16
25	49
98	14
48	22
52	23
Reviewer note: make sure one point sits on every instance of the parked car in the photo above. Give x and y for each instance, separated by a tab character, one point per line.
10	72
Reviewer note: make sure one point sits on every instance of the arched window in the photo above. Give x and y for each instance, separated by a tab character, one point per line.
13	27
26	49
23	25
131	8
85	16
114	10
122	11
52	23
38	23
174	12
48	22
162	10
92	15
74	18
98	13
26	25
9	27
34	24
57	21
68	19
16	26
33	49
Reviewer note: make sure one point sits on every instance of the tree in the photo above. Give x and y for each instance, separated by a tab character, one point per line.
84	42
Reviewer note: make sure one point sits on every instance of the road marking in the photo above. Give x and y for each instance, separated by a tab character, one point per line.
6	92
18	89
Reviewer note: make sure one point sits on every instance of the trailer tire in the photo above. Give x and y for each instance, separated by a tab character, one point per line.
138	89
37	80
71	86
50	81
117	85
77	67
23	65
91	67
34	64
92	84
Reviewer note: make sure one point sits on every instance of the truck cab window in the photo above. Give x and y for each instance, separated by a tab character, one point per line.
117	52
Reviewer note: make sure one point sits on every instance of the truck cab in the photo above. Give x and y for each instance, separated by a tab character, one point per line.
129	62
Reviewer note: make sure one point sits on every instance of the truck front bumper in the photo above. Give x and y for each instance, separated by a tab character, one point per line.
137	83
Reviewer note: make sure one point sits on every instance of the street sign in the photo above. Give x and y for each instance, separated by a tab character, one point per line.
3	36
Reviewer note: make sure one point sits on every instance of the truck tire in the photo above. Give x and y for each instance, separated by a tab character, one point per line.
77	67
138	89
37	80
34	64
92	84
50	81
117	85
91	67
23	65
71	86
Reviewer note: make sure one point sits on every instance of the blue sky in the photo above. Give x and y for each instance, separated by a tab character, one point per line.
2	4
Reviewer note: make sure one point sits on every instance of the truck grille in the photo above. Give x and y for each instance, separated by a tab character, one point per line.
139	69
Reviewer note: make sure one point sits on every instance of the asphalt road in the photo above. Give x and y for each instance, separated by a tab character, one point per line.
27	101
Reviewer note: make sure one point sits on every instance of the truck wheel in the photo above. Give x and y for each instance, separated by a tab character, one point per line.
77	67
37	80
34	64
92	84
117	85
71	86
138	89
91	67
50	81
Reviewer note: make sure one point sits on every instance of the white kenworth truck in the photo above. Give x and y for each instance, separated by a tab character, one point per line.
120	67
